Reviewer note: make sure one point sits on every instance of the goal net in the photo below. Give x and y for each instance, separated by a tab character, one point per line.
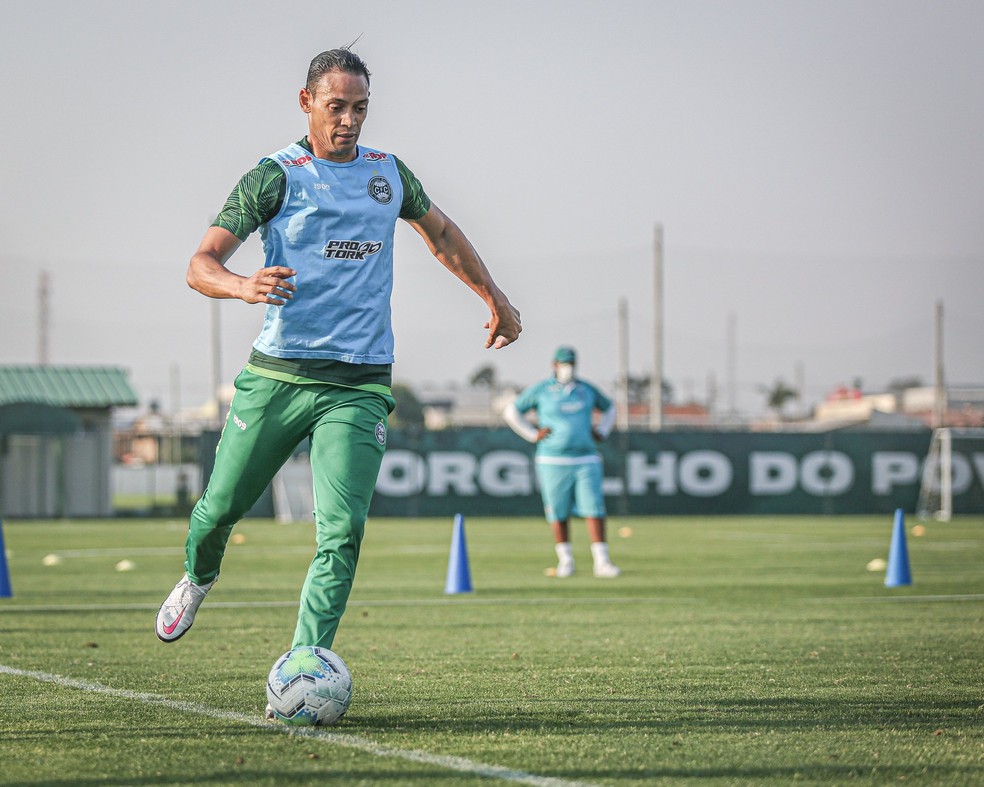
953	474
293	491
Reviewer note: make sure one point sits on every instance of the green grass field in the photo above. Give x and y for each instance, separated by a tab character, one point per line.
731	651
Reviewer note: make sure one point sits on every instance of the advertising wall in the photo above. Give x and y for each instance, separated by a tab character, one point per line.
490	472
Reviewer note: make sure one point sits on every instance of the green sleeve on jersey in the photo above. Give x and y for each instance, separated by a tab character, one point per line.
254	201
415	201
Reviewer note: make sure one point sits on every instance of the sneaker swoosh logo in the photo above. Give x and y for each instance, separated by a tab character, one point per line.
170	629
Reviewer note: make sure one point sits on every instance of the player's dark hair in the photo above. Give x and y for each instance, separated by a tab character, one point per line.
342	59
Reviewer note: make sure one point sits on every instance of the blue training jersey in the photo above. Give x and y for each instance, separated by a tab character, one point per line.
335	229
564	409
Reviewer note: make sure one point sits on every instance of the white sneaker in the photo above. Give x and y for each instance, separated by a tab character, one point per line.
268	714
606	570
177	613
565	568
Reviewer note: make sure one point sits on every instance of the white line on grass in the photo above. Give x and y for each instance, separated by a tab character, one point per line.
337	738
898	599
403	602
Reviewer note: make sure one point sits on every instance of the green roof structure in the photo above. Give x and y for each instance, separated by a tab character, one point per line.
66	386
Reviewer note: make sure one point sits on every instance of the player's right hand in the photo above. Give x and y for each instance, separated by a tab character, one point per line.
268	285
542	433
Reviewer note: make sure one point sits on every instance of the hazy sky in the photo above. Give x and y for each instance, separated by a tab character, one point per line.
817	167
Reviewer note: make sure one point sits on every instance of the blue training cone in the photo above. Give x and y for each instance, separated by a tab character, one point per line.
459	577
898	556
5	590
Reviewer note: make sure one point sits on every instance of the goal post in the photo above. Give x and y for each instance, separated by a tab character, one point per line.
293	491
953	474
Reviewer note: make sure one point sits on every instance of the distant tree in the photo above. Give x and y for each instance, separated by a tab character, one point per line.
485	377
639	390
409	412
778	395
667	392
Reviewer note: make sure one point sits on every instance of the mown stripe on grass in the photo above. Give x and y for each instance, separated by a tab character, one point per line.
175	550
336	738
403	602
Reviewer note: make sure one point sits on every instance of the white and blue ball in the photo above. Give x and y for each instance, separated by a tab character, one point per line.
309	685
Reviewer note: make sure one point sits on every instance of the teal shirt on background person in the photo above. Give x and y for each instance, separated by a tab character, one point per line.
566	410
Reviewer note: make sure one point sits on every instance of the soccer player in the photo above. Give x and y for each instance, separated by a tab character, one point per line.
326	208
568	465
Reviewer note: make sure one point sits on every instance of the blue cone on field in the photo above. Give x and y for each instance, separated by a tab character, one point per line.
898	572
5	590
459	577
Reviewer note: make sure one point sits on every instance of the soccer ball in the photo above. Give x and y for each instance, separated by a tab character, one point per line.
309	685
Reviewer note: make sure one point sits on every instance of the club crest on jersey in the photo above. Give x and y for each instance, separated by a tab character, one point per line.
380	190
351	249
381	433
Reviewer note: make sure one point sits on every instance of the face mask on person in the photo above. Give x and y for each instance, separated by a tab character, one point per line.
564	373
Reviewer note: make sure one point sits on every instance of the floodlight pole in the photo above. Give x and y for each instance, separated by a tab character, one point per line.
656	383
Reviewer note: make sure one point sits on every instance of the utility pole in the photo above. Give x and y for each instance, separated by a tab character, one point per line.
217	361
940	403
622	405
216	355
174	419
656	383
800	386
44	294
712	396
732	345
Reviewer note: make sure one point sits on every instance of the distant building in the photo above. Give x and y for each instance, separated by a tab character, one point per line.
56	439
912	406
850	405
689	414
450	406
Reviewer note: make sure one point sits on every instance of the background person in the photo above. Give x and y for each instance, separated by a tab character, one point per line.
568	465
321	368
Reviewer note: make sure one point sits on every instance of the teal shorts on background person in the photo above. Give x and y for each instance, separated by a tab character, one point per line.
571	488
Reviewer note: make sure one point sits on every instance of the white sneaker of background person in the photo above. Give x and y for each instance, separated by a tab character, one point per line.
565	560
177	613
603	566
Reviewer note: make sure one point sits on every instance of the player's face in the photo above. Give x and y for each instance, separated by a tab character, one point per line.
336	110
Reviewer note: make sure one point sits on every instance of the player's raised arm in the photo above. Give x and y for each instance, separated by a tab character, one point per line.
448	243
207	273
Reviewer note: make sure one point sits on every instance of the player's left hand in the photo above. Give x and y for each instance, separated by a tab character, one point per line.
504	328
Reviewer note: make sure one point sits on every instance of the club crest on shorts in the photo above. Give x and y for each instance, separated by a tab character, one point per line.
381	433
